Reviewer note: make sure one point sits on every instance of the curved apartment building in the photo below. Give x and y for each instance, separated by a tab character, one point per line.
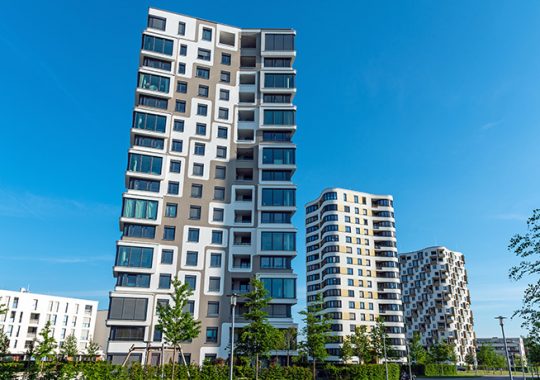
209	193
352	259
436	299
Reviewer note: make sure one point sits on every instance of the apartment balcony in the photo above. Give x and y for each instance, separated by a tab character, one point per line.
241	262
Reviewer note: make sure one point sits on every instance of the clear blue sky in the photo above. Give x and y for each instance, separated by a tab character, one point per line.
435	102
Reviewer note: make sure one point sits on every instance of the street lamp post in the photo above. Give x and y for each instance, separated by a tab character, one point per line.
233	304
385	358
409	359
501	322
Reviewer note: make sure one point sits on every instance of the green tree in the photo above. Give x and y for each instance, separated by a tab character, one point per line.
532	347
316	328
4	345
346	352
176	323
487	357
470	359
92	349
441	352
288	342
361	345
378	340
3	309
46	346
527	247
70	347
417	351
258	337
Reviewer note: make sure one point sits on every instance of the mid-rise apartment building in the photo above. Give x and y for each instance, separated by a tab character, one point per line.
516	348
352	260
27	314
436	298
209	193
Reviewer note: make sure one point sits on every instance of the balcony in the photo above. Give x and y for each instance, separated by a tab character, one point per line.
241	261
244	174
243	195
242	216
242	238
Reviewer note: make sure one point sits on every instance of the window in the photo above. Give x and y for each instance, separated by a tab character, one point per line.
202	72
280	287
169	232
223	113
279	117
180	106
181	68
183	50
276	98
194	212
139	231
192	257
133	280
278	197
222	132
276	175
144	164
171	210
193	235
177	145
279	80
158	45
214	284
200	129
207	34
224	94
221	172
139	209
276	136
156	22
149	122
196	190
213	309
152	101
175	166
211	335
204	54
148	142
277	62
127	333
135	257
225	76
154	82
164	281
178	126
218	215
203	91
157	63
217	237
278	241
202	109
281	42
227	38
181	28
225	59
173	188
275	262
275	217
221	152
199	149
167	256
279	156
181	87
219	193
198	170
215	260
191	281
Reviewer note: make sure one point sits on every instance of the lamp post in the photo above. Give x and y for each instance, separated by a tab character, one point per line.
385	359
501	322
233	304
409	359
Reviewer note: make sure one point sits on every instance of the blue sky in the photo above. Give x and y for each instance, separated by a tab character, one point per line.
433	102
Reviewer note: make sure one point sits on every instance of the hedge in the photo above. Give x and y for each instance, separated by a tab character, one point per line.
361	372
440	370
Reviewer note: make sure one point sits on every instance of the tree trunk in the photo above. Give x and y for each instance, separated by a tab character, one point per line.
314	369
184	361
288	356
173	362
256	366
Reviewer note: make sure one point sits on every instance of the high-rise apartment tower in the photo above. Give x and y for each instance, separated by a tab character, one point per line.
209	193
352	260
436	299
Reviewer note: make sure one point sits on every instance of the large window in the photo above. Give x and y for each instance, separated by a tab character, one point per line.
139	231
128	309
133	280
279	117
275	217
157	63
152	101
148	142
280	287
276	175
136	257
275	262
279	156
140	209
158	45
143	185
155	22
280	42
149	122
278	241
278	197
279	80
277	62
144	164
202	72
128	333
154	82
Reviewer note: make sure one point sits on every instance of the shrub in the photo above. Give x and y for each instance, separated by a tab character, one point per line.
440	369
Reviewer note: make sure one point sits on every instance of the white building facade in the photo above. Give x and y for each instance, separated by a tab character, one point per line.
436	299
352	260
516	348
27	314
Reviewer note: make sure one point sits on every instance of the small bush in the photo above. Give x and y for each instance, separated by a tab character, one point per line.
440	370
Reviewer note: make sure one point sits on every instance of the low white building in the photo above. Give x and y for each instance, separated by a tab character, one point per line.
27	314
